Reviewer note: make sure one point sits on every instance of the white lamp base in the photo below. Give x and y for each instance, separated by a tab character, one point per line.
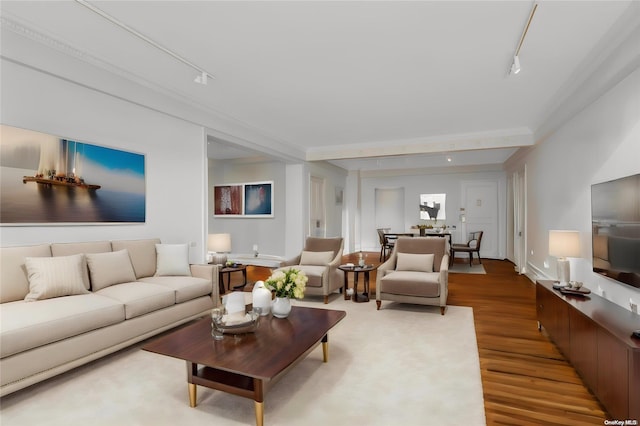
218	258
564	271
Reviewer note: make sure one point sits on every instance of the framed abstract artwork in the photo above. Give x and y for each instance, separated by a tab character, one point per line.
258	199
46	179
228	200
432	207
243	200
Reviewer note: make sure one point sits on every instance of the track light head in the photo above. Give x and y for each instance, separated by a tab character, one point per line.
202	78
515	67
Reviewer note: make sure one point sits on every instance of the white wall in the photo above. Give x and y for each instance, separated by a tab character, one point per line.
284	234
245	232
416	184
174	160
600	143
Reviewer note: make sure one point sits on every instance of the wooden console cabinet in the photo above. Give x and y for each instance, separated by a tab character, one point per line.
594	335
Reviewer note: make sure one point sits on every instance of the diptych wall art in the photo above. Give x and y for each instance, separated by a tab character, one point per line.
46	179
254	199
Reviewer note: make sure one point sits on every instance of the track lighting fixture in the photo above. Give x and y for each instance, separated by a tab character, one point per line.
515	67
201	79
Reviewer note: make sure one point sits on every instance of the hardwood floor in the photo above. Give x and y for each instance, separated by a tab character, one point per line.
526	380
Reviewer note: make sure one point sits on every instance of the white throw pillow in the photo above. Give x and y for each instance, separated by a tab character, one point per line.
173	259
110	268
318	258
415	262
51	277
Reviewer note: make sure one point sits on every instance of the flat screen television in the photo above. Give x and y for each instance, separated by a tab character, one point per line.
615	223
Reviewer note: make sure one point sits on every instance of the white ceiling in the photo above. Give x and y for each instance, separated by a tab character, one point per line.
410	83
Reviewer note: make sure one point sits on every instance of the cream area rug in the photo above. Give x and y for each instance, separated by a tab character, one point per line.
403	365
464	268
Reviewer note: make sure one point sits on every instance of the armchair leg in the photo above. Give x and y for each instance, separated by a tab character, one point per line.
378	304
470	258
326	300
442	308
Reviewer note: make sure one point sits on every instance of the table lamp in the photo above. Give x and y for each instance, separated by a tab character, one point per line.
563	244
220	245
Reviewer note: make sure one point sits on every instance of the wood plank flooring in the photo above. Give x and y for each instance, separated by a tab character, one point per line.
526	380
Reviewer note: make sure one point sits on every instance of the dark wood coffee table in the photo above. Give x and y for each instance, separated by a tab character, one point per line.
248	366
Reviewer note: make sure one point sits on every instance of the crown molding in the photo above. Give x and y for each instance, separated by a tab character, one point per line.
424	171
508	138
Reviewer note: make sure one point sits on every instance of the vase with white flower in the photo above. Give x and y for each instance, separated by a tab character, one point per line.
286	284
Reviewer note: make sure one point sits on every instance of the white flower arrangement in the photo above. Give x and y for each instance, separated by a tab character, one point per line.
288	283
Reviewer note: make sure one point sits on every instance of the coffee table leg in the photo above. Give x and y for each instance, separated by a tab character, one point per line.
258	401
259	413
192	395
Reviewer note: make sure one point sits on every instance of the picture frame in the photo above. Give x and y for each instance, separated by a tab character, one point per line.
51	180
258	199
432	207
228	200
243	200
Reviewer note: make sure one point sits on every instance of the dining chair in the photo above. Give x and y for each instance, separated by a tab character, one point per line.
472	246
386	243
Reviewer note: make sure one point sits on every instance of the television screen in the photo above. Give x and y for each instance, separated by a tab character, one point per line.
615	222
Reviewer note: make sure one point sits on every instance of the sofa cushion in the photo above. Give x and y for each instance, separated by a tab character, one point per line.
14	284
27	325
186	288
411	283
319	258
67	249
110	268
142	254
415	262
54	276
140	298
172	260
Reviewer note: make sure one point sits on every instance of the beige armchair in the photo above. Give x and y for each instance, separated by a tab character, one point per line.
417	272
319	260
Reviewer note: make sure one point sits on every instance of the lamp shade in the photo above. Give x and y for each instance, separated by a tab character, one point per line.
219	243
564	243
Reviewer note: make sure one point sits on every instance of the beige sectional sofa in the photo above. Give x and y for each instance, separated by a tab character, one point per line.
63	305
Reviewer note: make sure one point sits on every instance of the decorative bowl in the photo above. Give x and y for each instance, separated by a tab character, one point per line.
222	324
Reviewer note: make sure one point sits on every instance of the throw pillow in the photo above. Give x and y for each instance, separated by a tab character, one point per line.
172	259
51	277
318	258
110	268
415	262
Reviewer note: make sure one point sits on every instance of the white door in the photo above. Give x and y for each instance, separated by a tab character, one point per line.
480	201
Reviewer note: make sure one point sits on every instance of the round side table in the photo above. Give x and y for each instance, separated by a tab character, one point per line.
357	270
